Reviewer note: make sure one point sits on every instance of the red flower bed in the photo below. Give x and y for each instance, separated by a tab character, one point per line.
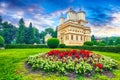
72	53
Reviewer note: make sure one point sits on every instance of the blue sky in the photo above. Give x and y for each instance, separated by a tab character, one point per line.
103	15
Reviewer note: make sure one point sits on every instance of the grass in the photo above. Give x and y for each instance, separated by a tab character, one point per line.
12	66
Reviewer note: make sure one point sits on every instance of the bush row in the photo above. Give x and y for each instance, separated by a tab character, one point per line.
93	48
21	46
96	48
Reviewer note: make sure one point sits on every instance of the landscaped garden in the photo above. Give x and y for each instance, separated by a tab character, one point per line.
59	64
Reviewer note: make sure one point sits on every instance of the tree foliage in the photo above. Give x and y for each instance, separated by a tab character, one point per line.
21	32
88	43
8	31
1	41
29	35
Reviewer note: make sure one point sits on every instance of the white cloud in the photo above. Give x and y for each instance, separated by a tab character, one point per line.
116	19
50	20
4	5
110	29
2	11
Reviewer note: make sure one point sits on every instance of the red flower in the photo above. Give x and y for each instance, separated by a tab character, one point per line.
53	52
61	55
74	52
50	53
99	65
69	54
85	53
77	56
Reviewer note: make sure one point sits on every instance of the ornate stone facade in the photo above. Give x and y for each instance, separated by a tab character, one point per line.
72	31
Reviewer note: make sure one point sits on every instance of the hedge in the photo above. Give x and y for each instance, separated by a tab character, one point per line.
62	45
93	48
22	46
53	42
96	48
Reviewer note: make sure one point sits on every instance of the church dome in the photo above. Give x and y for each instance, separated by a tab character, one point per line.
71	10
81	11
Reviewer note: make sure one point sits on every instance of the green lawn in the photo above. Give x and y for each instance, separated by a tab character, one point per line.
12	66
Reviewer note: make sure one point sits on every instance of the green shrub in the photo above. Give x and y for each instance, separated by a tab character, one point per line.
97	48
62	45
1	41
118	45
53	42
88	43
21	46
101	44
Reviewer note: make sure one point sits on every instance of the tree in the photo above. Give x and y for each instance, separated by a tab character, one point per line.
55	33
8	32
0	25
117	41
21	32
29	34
92	38
42	34
49	31
37	36
1	41
110	42
88	43
101	43
0	19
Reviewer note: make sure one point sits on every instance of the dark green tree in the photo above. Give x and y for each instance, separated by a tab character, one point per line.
37	36
88	43
49	31
8	32
92	38
117	42
0	19
110	42
1	41
29	34
0	25
21	32
55	33
42	34
101	43
106	40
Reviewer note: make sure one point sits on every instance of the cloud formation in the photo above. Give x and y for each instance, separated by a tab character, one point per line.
104	18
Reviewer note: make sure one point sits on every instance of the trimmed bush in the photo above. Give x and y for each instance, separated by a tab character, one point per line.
118	45
23	46
53	42
1	41
88	43
97	48
101	44
62	45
